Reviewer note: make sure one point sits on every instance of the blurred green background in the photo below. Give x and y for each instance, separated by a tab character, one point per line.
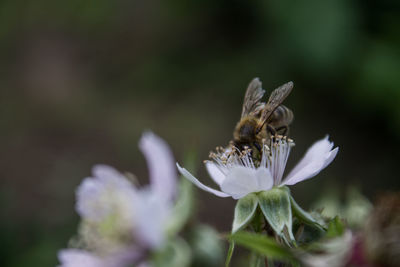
81	80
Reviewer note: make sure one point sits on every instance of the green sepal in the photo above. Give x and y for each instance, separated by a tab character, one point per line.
244	211
304	216
275	205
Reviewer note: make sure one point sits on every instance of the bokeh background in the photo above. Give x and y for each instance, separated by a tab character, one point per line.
81	80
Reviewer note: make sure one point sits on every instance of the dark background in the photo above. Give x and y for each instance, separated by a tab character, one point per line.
81	80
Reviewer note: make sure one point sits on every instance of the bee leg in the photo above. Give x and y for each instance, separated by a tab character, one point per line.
285	129
257	145
271	130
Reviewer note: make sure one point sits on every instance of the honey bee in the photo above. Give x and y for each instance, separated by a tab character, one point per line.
260	121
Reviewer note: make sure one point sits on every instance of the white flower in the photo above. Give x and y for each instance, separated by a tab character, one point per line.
120	221
82	258
335	252
79	258
238	175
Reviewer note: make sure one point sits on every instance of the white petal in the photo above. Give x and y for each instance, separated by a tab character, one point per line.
215	173
194	180
242	181
79	258
160	162
318	156
319	148
109	192
264	178
108	174
330	157
153	212
83	258
87	194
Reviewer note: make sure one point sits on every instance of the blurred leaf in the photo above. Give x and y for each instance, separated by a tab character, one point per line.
263	245
306	234
357	208
207	248
184	204
354	209
257	260
176	253
244	211
335	228
183	207
275	205
329	203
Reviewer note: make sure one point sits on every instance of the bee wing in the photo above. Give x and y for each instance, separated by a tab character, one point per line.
251	103
276	98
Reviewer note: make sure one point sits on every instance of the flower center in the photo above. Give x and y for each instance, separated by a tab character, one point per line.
273	157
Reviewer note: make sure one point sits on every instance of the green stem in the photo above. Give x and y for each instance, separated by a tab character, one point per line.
230	253
256	260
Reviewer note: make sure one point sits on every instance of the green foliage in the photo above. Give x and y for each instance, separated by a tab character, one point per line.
230	253
263	245
306	234
354	209
175	253
183	207
357	208
256	260
303	215
336	228
206	245
244	211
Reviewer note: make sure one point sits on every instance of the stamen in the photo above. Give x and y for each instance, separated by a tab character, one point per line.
280	150
273	156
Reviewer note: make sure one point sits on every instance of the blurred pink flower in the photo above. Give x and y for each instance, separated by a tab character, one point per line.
79	258
120	221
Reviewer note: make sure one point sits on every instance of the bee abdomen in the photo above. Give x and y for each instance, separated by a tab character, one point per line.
281	116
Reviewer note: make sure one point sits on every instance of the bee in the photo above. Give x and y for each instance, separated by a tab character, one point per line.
260	121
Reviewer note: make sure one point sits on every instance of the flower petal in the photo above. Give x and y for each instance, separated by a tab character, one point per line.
79	258
108	174
330	157
215	173
82	258
264	179
318	156
153	212
109	192
242	181
319	148
194	180
160	162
